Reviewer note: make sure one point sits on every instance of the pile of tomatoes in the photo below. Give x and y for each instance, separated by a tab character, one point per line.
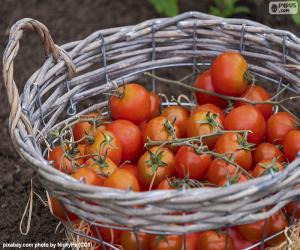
141	147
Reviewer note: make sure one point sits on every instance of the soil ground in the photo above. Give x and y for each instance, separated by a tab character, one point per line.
67	20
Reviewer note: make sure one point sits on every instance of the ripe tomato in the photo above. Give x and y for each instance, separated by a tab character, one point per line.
228	74
279	125
212	240
130	137
238	241
169	242
57	209
202	123
131	168
232	179
178	115
265	167
293	209
255	231
278	223
158	161
102	166
122	179
104	143
155	105
190	164
112	236
161	129
165	185
191	241
63	160
203	81
267	151
88	176
129	241
208	107
133	104
247	117
219	169
291	144
235	144
257	93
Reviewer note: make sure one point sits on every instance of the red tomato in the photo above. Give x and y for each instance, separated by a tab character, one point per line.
102	166
191	241
169	242
212	240
203	81
63	159
178	115
122	179
232	179
278	223
279	125
235	144
155	105
133	104
165	185
208	107
57	209
267	151
106	143
130	137
88	176
129	241
247	117
257	93
228	74
190	164
158	161
238	241
254	231
218	170
161	129
202	123
291	144
293	209
112	236
132	168
265	167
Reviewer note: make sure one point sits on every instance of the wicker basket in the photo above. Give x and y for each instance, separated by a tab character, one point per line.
71	74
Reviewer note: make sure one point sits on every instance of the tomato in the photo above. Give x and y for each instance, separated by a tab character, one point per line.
228	74
212	240
161	129
157	163
132	104
169	242
130	137
267	151
202	123
122	179
278	223
203	81
279	125
232	179
265	167
131	168
57	209
165	185
112	236
247	117
255	231
291	144
63	160
293	209
155	105
129	241
218	169
208	107
104	143
235	144
191	241
238	241
190	164
257	93
88	176
102	166
178	115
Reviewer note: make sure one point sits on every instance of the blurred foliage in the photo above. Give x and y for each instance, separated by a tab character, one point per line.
166	7
227	8
296	17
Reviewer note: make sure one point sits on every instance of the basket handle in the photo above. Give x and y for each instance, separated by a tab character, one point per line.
11	51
